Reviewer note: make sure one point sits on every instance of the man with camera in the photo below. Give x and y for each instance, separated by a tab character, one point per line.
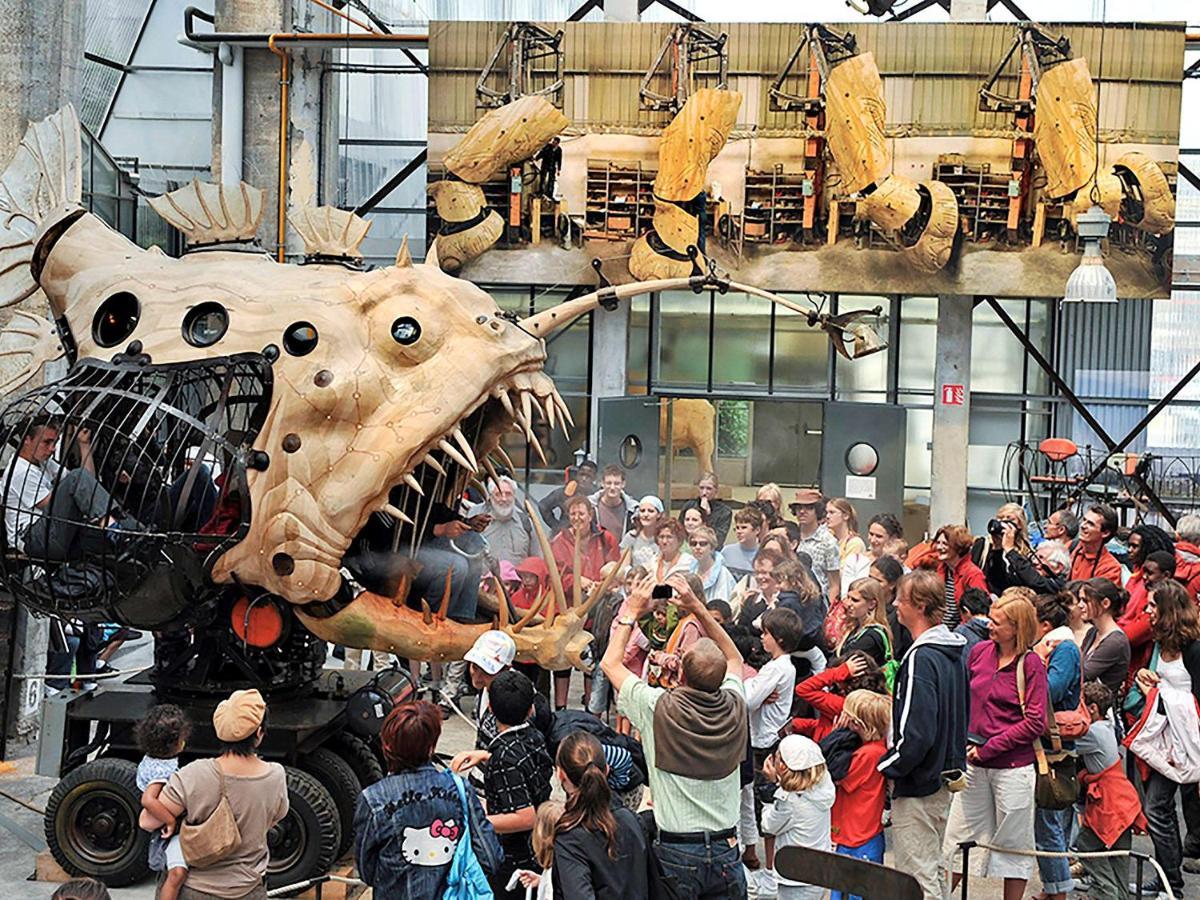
694	739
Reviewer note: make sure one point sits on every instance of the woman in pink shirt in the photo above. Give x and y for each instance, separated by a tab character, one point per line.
1009	697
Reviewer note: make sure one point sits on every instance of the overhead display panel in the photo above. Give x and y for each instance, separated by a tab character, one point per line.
861	157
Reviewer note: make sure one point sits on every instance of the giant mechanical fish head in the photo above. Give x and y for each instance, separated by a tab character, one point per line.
375	373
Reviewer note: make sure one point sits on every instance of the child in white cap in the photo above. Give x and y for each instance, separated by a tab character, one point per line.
800	815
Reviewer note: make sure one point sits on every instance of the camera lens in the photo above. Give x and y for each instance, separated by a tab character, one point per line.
995	526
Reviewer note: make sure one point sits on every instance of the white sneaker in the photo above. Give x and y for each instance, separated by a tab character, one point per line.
768	883
751	883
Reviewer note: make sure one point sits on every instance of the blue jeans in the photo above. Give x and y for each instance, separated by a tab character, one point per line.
708	871
437	557
872	851
601	688
1050	827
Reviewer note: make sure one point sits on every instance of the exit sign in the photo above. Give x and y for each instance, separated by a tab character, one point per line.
953	394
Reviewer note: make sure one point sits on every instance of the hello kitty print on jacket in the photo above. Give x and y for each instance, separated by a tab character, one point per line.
432	846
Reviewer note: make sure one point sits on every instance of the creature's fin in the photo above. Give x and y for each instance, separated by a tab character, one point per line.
30	342
207	213
43	176
329	231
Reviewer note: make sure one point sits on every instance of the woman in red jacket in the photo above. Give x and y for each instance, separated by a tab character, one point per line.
596	547
952	543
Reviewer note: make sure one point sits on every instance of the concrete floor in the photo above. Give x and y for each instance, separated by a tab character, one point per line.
842	268
17	859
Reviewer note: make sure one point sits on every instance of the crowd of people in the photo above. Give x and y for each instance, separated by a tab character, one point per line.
795	684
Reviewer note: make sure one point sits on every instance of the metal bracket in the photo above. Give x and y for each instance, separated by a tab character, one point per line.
690	44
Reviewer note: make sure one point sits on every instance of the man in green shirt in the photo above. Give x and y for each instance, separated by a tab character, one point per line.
695	738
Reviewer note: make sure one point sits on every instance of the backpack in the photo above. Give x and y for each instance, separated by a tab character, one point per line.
466	880
891	665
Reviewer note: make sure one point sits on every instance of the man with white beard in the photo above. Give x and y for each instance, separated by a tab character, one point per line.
510	535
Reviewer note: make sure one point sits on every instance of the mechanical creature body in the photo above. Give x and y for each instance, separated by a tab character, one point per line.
333	400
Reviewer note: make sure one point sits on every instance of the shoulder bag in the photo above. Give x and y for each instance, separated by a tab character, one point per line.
1072	723
1057	785
1135	700
210	841
466	880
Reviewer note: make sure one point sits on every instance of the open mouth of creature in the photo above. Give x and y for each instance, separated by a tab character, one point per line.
411	575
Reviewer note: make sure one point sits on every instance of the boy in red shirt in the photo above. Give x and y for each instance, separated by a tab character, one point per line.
852	753
826	692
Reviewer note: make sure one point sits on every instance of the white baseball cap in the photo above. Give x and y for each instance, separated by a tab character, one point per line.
493	651
799	753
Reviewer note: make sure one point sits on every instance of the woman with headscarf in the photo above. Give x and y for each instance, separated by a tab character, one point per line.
643	537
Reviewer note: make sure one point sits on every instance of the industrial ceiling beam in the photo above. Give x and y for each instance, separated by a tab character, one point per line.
392	183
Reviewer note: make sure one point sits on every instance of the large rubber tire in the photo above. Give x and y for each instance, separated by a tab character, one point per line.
304	844
91	823
337	777
361	756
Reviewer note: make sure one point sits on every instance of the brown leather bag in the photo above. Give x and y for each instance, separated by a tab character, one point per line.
1057	784
210	841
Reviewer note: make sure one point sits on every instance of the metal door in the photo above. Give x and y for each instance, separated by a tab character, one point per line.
862	457
785	444
628	435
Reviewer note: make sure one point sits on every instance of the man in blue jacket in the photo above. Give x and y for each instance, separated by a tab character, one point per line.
928	756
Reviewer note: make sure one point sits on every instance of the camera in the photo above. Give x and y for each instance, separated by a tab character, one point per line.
995	527
662	592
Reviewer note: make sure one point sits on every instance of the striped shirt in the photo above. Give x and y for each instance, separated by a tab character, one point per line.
682	805
952	618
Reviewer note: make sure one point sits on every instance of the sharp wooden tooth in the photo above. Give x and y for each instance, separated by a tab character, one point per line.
454	454
506	402
465	446
527	413
396	513
491	470
533	441
414	484
433	463
548	403
563	408
504	458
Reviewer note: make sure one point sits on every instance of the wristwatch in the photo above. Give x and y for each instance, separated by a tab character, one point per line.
627	621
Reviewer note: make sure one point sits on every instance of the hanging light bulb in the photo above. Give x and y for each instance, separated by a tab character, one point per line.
1091	282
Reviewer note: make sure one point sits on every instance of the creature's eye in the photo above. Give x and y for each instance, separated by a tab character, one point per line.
116	319
300	339
406	331
205	324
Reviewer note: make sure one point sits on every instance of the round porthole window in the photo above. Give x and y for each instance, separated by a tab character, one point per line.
116	319
862	459
205	324
630	452
406	330
300	339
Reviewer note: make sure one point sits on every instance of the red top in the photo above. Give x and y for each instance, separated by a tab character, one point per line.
1187	568
597	549
1110	804
1101	565
828	705
966	575
1135	622
857	814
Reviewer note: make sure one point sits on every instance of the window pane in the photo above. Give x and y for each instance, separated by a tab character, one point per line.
567	350
682	339
638	349
742	342
512	301
918	342
997	357
870	372
916	454
801	353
